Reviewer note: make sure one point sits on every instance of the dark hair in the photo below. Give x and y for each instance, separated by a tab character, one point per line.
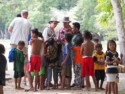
99	45
78	41
21	43
68	37
77	25
2	49
87	35
96	40
35	31
18	15
40	35
50	41
111	41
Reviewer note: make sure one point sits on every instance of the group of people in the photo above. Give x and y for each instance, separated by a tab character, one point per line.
55	55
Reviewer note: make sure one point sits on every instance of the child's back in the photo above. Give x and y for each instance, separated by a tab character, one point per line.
88	48
36	46
18	60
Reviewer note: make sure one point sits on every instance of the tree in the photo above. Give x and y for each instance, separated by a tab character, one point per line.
120	26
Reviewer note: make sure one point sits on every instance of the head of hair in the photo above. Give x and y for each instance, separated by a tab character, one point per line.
40	35
76	25
18	15
35	31
87	34
78	41
2	49
24	12
111	41
99	45
50	41
21	43
96	40
68	37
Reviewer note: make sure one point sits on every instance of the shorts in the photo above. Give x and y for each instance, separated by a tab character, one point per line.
111	77
67	71
25	51
35	61
18	74
100	75
88	66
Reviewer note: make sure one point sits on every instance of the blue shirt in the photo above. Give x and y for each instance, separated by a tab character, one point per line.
67	51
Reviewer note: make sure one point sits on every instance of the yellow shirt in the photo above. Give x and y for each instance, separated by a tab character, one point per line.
100	58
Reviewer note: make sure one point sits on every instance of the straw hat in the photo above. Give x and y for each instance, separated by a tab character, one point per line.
54	19
66	19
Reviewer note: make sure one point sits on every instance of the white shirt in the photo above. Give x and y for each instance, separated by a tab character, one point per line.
48	33
21	28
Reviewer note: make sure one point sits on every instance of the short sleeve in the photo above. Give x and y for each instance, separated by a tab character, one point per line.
13	23
68	49
45	34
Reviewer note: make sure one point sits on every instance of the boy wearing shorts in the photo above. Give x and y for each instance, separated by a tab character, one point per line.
35	58
99	65
67	62
19	64
87	59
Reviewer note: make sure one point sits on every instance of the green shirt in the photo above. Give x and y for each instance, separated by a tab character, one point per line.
19	61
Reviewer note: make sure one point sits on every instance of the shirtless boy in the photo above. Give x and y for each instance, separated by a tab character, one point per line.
35	58
87	60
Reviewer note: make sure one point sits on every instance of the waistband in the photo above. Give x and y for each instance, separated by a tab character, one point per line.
112	66
35	55
87	57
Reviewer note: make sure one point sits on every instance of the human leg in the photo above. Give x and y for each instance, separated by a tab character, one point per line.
36	80
1	89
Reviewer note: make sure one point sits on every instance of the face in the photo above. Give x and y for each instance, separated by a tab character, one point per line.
53	24
20	47
74	29
65	24
99	50
112	46
33	35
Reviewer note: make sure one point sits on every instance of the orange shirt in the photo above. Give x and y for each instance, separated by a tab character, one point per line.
77	55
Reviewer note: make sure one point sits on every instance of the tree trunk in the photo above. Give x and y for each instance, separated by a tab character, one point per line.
120	26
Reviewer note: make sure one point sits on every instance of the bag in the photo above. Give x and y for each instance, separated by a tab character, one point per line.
11	55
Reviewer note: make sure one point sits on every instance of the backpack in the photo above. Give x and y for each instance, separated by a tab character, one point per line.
11	55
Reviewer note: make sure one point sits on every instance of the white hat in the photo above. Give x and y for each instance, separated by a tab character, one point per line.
66	19
54	19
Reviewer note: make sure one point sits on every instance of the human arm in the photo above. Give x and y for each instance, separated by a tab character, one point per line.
82	49
10	28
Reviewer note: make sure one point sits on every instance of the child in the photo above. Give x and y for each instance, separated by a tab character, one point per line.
77	62
67	62
35	58
112	62
3	63
19	64
99	65
87	59
51	58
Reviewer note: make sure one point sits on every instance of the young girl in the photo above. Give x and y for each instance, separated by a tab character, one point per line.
77	62
112	67
3	63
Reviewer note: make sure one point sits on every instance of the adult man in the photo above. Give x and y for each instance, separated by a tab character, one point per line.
66	28
49	31
20	28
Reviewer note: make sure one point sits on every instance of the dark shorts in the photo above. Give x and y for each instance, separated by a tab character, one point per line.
2	78
18	74
100	74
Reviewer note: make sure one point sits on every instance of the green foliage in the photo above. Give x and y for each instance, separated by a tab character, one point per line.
86	14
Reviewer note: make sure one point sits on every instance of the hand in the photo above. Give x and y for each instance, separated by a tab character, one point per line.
62	63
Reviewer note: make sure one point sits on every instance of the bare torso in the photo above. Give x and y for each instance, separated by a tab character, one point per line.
87	48
36	46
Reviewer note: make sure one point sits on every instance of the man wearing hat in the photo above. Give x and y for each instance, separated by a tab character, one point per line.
66	28
49	31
